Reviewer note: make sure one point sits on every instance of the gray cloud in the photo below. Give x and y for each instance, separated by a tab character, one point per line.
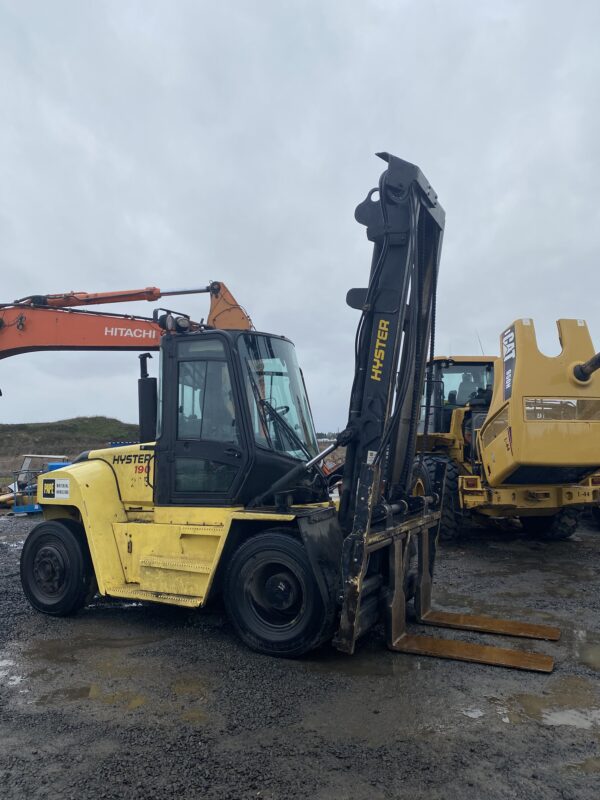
172	143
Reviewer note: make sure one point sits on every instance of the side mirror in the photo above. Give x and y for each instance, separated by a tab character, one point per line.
147	401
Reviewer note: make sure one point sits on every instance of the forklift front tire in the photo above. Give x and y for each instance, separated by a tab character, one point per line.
56	569
272	597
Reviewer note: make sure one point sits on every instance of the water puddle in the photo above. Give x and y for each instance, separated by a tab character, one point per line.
190	687
88	674
553	567
560	591
589	766
362	664
569	701
465	604
573	717
8	676
589	654
61	651
586	647
189	692
129	700
473	713
194	715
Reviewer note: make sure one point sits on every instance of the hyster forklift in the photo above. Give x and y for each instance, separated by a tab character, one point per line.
519	435
224	498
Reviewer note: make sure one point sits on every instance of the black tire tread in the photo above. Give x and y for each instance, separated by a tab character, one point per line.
72	535
451	518
556	527
564	524
324	615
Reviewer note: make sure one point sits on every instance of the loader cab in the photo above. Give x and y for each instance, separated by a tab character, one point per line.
456	382
233	417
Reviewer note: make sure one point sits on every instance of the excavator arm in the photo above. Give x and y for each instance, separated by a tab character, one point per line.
51	322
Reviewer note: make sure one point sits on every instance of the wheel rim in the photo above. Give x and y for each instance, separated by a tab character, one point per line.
275	595
418	489
49	572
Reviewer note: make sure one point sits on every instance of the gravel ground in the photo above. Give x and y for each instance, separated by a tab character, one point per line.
139	701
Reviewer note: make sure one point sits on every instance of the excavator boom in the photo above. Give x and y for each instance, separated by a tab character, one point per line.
50	322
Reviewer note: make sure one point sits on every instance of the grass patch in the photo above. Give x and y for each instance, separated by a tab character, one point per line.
66	437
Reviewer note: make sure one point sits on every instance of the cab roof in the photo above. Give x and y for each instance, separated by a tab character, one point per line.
466	359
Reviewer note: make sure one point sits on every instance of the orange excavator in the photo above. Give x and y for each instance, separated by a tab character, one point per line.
52	321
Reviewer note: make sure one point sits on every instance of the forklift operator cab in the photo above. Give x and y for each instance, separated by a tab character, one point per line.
233	414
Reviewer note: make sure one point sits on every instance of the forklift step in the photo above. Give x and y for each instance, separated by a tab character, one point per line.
477	653
177	563
126	590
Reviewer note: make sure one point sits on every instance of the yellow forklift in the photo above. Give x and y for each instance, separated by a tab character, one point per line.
519	435
224	496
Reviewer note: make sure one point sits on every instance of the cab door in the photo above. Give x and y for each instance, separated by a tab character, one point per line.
202	454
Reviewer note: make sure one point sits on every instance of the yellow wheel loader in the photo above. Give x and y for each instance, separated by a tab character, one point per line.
519	435
229	501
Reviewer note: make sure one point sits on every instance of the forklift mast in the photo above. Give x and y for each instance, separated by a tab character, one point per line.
405	222
378	514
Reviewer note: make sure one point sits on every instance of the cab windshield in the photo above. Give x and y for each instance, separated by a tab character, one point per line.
281	417
461	383
455	385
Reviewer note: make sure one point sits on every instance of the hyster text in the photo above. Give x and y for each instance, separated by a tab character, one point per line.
380	345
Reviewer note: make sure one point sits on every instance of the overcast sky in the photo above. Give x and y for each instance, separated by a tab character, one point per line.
171	143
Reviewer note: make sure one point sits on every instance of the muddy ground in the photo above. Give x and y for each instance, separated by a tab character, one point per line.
142	701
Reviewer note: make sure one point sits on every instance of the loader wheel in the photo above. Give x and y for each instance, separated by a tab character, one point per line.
451	516
272	597
56	569
421	487
555	527
596	516
424	471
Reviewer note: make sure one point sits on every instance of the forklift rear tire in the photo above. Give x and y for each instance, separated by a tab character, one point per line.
555	527
56	569
272	597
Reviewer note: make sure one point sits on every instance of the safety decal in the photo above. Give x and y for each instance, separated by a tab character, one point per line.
55	488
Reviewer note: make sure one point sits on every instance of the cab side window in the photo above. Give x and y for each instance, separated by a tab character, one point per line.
206	411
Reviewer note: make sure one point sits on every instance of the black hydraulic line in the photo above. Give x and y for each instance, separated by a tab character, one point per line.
429	378
408	351
76	311
583	372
